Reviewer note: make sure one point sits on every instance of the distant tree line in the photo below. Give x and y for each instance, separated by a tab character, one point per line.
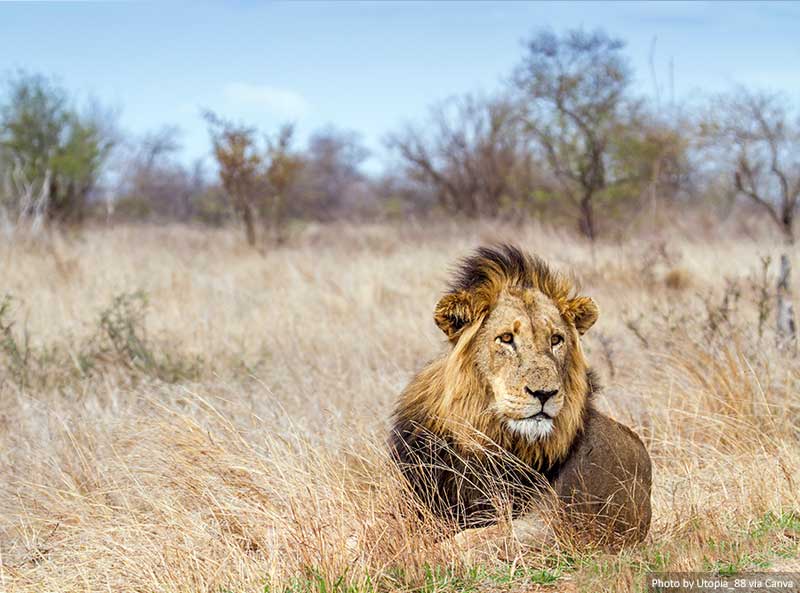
567	136
567	139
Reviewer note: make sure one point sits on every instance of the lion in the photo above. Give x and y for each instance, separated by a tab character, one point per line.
505	418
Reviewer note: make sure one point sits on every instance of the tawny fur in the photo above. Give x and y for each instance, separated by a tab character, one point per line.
454	450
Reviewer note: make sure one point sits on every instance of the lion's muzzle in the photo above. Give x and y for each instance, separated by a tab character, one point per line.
541	394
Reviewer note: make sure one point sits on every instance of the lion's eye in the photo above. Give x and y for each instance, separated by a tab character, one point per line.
506	338
556	339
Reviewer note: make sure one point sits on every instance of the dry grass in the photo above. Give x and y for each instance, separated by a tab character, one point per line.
232	439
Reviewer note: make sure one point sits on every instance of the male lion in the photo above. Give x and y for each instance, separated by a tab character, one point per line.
506	416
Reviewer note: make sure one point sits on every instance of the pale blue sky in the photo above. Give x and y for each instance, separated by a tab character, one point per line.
368	67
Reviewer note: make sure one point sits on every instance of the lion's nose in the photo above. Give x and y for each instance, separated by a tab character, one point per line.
541	394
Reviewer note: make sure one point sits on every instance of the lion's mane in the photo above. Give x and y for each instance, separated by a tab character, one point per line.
451	448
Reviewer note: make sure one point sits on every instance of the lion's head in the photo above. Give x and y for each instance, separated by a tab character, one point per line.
515	373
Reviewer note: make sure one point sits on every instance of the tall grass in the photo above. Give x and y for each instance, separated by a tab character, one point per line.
228	432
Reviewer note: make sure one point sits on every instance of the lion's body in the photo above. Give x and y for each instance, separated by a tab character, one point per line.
604	483
498	422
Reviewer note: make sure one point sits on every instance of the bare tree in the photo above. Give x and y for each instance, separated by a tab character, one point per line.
151	181
469	154
573	91
332	178
758	131
157	145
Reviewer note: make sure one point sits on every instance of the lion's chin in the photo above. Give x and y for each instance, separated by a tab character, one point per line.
532	429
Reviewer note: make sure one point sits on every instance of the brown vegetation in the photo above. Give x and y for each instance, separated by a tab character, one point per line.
229	432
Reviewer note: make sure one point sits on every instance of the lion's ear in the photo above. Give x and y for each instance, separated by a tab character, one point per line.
454	311
583	312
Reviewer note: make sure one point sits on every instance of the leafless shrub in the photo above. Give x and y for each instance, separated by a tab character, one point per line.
473	155
758	132
720	315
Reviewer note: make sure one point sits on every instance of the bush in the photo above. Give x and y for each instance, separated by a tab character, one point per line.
119	343
52	145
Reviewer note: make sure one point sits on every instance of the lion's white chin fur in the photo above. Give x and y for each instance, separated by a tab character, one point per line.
532	429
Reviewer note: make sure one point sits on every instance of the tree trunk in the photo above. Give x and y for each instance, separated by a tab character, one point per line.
787	334
587	218
249	223
277	218
786	325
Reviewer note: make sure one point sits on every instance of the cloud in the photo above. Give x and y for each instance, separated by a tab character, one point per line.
279	102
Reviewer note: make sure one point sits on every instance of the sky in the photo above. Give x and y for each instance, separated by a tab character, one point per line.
368	67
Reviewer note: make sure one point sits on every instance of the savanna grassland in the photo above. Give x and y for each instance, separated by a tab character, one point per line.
179	413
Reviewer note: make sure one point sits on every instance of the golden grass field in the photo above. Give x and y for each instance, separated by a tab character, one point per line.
181	414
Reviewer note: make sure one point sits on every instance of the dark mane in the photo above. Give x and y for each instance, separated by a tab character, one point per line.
507	265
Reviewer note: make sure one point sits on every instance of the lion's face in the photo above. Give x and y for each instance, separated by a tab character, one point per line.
516	368
522	353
